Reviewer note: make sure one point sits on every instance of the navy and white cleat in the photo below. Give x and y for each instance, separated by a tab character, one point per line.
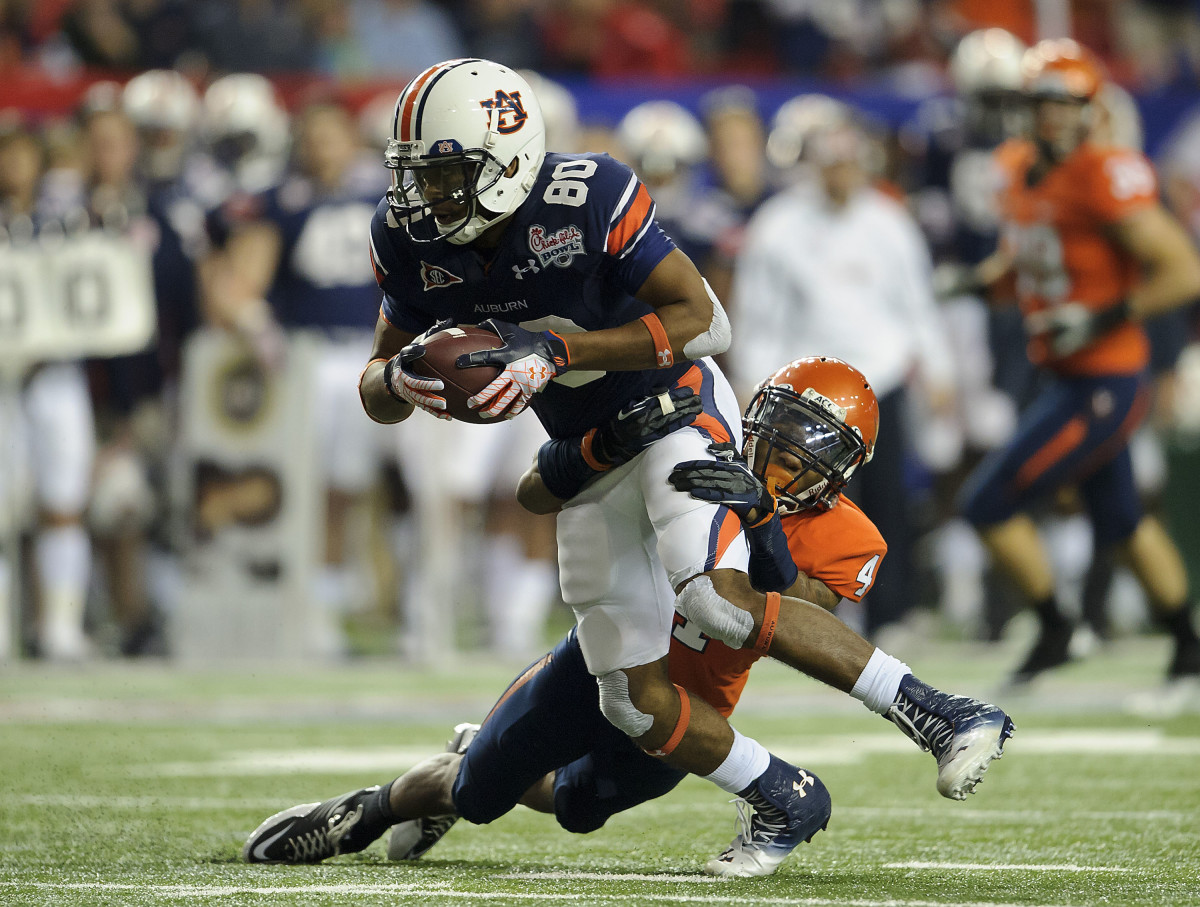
963	734
789	806
310	832
412	838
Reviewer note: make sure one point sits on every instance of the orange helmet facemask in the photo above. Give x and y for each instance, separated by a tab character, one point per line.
822	413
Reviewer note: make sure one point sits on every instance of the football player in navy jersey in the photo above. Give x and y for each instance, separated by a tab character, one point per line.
597	309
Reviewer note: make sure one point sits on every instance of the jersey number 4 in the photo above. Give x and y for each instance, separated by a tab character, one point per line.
866	576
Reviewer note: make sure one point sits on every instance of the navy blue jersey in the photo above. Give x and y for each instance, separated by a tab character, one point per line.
570	260
324	279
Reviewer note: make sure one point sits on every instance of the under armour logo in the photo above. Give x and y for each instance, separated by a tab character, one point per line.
664	358
806	780
520	272
538	371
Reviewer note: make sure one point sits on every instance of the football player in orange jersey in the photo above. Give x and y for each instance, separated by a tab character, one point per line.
1093	253
545	743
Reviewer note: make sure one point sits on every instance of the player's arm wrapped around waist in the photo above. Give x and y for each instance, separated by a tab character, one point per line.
567	464
729	481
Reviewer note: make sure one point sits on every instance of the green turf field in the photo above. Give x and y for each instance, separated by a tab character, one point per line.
136	784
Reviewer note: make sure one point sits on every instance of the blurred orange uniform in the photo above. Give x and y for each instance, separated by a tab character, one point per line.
1056	231
840	547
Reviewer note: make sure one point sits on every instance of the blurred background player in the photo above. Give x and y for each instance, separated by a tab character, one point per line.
294	262
946	150
734	181
664	144
245	129
837	266
1094	253
53	439
132	392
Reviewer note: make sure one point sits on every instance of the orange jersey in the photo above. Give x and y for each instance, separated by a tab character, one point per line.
1057	233
840	547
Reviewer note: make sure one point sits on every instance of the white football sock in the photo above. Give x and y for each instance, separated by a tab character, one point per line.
64	565
879	682
746	761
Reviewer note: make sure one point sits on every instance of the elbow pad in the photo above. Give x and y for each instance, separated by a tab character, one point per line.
718	336
562	466
771	566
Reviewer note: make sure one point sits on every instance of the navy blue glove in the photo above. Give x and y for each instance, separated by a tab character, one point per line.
640	424
727	481
566	464
528	360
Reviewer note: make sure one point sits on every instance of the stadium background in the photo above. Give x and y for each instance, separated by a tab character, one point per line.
886	59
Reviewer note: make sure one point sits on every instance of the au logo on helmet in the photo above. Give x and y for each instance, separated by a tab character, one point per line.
511	108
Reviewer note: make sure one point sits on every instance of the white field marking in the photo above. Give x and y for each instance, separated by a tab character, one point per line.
815	751
332	761
442	893
1031	867
613	877
941	813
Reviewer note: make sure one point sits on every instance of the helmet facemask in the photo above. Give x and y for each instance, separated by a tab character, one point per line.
442	188
799	449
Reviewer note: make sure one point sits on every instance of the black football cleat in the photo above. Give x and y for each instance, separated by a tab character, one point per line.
311	832
1185	663
1052	649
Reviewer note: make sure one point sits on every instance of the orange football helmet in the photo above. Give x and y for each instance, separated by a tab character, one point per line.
1061	68
822	418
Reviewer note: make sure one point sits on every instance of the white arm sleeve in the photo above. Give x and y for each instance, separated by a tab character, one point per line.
716	338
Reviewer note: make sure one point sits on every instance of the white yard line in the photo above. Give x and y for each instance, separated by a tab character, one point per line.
443	894
1027	867
942	812
816	751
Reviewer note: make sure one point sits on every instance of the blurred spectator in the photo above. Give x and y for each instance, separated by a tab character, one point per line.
403	37
737	181
100	34
839	269
503	30
1160	40
253	35
612	38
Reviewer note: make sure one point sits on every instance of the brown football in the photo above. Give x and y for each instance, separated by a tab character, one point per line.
441	353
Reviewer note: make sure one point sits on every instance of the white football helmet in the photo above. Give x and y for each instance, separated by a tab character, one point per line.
988	59
797	120
243	107
663	138
161	99
467	143
559	111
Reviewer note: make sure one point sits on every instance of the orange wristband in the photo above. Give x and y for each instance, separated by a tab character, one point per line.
590	458
362	375
770	619
681	725
664	357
